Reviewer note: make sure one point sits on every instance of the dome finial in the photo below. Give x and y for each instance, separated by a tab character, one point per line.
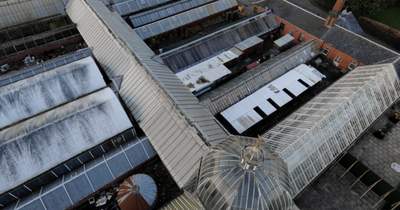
258	143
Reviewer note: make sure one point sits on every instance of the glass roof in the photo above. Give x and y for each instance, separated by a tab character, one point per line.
45	66
124	7
225	184
314	136
165	11
175	21
86	179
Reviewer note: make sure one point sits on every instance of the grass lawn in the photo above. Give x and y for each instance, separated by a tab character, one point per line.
389	16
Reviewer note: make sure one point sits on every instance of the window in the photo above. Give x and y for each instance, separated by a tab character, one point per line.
352	65
301	37
289	93
260	112
282	27
303	83
337	60
291	32
326	51
273	103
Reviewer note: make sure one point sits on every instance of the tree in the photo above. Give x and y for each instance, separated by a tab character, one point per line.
388	3
363	7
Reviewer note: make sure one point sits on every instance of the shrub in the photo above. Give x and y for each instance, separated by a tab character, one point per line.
52	26
381	31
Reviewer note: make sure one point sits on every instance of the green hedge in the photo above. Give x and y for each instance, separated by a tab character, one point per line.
381	31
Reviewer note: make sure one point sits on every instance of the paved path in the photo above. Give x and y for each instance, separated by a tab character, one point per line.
329	192
377	154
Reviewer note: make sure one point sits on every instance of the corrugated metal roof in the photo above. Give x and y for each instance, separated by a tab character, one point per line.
46	140
240	87
88	178
28	10
44	91
163	106
218	41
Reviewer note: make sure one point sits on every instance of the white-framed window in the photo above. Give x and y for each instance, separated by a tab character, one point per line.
291	32
301	37
337	60
326	51
352	65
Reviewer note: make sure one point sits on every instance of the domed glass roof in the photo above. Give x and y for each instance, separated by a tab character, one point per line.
241	173
137	192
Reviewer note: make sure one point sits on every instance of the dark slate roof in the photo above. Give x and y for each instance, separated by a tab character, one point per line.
306	21
356	46
349	22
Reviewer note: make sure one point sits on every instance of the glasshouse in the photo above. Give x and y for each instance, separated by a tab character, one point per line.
313	136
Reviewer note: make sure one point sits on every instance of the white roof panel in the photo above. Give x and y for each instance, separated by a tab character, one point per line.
247	120
212	70
281	98
310	72
36	94
267	108
284	40
248	43
242	116
38	144
296	88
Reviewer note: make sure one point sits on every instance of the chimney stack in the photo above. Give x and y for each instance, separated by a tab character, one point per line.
334	14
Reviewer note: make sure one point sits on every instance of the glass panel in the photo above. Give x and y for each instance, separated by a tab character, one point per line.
153	2
60	170
166	25
185	19
128	135
146	32
85	157
143	4
124	8
133	5
156	28
218	7
194	15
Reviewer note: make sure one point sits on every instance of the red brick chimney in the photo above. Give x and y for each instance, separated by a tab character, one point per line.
334	14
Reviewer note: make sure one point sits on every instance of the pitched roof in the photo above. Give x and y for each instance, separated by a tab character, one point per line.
299	17
168	113
349	22
42	142
344	40
33	95
357	46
